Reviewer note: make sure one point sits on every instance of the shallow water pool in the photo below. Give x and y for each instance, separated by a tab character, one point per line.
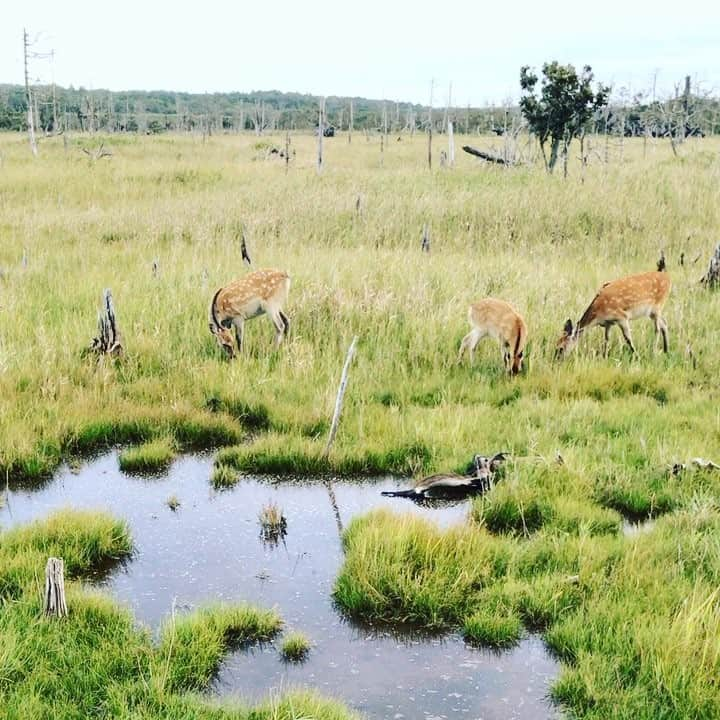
211	549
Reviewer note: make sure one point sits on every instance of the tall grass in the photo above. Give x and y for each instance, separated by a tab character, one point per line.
543	243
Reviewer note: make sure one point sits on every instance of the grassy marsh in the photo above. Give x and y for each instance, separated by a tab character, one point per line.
633	619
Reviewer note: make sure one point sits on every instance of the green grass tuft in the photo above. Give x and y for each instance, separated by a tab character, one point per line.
224	476
152	457
295	647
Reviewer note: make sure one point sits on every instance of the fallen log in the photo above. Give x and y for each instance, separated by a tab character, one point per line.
489	157
479	477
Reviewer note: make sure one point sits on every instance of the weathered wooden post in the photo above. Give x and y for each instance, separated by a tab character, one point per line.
340	396
55	605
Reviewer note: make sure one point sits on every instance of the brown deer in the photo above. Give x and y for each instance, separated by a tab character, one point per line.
501	321
617	303
259	293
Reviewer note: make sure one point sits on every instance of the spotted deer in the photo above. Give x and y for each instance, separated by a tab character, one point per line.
617	303
261	292
501	321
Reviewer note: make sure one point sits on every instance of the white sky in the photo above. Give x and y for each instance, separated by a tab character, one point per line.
381	49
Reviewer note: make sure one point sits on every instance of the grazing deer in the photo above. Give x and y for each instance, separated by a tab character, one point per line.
502	321
260	292
617	303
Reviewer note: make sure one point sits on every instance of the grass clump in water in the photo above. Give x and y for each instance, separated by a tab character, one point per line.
433	577
273	524
151	457
224	476
295	647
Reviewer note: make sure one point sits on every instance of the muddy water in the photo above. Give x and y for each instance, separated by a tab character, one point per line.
210	549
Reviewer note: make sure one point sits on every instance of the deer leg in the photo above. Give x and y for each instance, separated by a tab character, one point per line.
505	352
606	343
285	320
660	327
663	331
468	343
239	324
477	336
625	327
279	327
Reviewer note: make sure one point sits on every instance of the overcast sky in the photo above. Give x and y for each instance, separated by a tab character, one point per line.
383	49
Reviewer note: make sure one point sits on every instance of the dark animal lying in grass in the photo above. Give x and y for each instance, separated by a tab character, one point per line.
479	477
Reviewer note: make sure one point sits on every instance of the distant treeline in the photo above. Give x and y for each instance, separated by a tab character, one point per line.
148	112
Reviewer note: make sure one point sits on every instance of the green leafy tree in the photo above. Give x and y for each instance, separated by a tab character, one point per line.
562	106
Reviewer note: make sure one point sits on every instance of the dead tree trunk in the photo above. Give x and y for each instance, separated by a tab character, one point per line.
489	157
451	144
321	130
432	83
108	340
340	396
28	97
55	605
350	126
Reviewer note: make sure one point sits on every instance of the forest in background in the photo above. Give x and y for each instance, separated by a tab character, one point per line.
148	112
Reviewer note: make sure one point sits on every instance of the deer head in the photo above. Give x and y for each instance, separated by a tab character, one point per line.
517	362
222	333
567	341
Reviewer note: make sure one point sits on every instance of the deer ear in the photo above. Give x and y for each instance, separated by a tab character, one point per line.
497	460
568	327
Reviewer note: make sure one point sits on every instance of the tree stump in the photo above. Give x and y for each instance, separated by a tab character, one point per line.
712	276
108	340
55	605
